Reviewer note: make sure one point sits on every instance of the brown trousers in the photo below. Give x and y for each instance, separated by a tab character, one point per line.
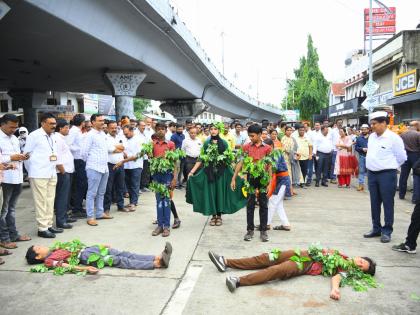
282	268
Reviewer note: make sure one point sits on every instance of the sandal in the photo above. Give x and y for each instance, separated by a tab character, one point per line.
23	238
8	245
213	221
282	228
219	222
5	252
155	222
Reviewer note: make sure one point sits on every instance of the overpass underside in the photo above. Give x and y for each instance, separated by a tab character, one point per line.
70	45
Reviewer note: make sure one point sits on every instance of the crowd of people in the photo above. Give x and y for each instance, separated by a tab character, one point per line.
78	169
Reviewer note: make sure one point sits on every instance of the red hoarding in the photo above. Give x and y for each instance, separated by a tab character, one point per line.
383	23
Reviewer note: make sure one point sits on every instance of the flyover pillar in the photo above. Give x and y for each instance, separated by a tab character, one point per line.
184	109
29	101
124	86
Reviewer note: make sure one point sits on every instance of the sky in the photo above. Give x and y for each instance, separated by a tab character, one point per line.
262	40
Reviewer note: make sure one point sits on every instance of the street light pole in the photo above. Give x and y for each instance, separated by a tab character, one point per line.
370	37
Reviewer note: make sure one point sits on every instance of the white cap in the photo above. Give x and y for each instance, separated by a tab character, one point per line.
23	129
377	115
365	126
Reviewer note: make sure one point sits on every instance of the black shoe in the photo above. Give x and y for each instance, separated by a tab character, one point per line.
71	220
385	238
218	261
301	185
324	184
232	283
55	230
371	234
166	255
316	184
264	236
64	226
249	235
46	234
308	184
402	197
403	248
79	215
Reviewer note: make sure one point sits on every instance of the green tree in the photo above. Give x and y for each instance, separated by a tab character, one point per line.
308	91
140	106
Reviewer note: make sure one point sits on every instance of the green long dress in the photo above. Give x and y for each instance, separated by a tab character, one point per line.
210	198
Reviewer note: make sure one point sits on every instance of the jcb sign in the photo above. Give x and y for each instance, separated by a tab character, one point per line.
406	82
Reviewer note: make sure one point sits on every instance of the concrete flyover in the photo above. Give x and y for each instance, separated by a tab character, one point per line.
74	45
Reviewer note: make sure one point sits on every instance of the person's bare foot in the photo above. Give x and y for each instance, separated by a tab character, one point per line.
157	262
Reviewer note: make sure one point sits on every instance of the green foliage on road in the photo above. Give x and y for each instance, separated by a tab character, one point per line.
333	262
307	92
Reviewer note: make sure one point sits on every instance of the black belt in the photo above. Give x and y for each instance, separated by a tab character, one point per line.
323	152
383	171
190	157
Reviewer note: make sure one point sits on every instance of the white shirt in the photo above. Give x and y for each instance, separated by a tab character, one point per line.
75	141
335	135
41	147
322	143
192	147
168	135
134	146
148	132
114	158
64	154
385	152
95	151
9	145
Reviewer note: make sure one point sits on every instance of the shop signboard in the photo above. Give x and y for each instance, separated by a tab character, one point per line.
347	107
291	115
377	100
383	22
406	82
90	103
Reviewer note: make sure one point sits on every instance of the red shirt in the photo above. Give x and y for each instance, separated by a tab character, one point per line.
316	267
257	152
160	147
57	258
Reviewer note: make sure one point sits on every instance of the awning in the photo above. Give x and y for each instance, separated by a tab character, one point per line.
404	99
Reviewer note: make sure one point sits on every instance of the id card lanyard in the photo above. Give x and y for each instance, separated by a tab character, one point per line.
53	157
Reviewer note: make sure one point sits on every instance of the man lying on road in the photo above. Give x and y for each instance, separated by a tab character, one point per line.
283	265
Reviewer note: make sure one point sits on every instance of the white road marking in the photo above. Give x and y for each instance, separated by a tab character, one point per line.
180	298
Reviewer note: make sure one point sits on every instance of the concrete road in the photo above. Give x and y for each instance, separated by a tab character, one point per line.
335	217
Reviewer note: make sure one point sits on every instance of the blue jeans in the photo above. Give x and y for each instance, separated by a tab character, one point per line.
412	157
80	185
123	260
331	174
115	184
132	181
362	169
62	198
310	170
382	188
8	231
163	204
95	195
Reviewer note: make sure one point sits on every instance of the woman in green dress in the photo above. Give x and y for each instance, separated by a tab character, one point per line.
209	190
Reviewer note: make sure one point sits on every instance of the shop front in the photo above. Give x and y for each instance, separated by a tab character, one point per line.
406	100
351	112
